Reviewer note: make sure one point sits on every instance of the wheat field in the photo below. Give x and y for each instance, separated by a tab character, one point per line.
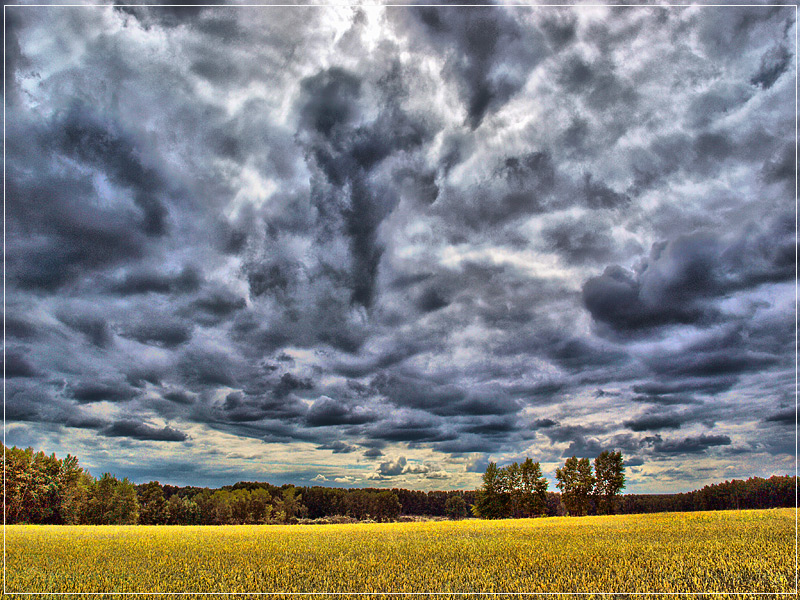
749	551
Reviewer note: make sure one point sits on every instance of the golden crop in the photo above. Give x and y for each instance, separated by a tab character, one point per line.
733	551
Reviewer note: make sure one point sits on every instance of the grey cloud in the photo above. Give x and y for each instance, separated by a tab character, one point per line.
16	365
102	391
289	383
787	416
676	283
95	329
86	138
656	422
140	431
204	367
339	447
692	444
219	303
167	334
373	453
326	411
492	56
339	238
145	281
580	241
179	397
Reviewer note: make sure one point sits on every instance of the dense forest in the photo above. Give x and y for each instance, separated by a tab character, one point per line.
46	489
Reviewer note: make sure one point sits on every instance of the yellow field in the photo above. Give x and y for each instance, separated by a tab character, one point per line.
746	551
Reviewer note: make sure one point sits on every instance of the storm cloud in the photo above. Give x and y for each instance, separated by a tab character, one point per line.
391	244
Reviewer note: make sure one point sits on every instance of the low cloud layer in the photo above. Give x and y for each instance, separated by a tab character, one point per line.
386	245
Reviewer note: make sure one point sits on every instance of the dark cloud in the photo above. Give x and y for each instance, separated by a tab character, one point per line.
656	422
179	397
16	366
430	300
167	334
206	368
140	431
373	453
102	391
143	282
692	444
219	303
580	241
339	447
325	412
85	137
95	329
20	328
787	416
678	281
441	399
397	246
491	58
412	428
560	28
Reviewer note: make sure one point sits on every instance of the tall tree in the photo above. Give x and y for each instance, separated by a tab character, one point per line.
512	490
152	505
576	482
489	504
534	488
609	470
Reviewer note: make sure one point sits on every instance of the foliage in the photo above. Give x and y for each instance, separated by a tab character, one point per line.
609	470
517	490
43	489
455	507
576	482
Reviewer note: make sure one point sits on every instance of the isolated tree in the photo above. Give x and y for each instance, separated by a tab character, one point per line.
609	470
576	482
455	507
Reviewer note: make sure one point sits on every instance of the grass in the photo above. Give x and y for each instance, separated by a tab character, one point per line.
732	551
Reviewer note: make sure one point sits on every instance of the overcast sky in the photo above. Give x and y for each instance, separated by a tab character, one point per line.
382	246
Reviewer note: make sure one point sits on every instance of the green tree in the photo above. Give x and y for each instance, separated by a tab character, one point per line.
455	507
152	505
609	470
261	505
534	488
124	504
490	501
576	482
290	504
100	500
511	484
387	506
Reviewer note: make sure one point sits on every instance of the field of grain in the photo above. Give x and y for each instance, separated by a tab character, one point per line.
734	551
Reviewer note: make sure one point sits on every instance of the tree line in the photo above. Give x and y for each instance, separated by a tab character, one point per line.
48	490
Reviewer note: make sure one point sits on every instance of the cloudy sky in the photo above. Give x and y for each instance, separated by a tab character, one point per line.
382	246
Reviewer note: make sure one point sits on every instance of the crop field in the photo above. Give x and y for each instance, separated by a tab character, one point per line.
733	551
